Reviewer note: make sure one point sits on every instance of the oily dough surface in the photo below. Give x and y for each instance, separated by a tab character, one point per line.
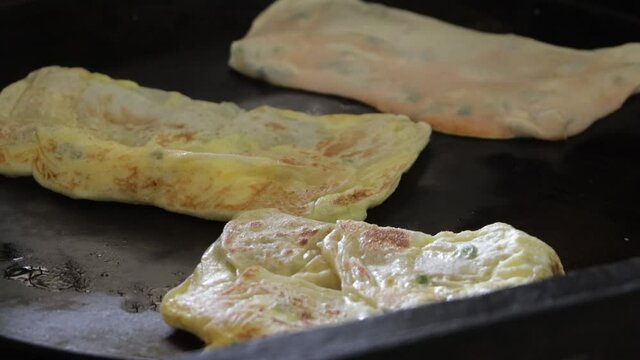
461	81
89	136
271	272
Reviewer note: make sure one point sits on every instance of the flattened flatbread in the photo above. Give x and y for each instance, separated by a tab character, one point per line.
89	136
222	308
394	268
268	273
461	81
283	244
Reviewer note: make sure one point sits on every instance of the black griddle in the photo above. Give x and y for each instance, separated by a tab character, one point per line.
108	264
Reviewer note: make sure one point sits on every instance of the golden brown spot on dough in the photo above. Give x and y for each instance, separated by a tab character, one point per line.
336	148
362	154
361	271
50	175
332	312
130	182
151	183
166	139
275	126
24	156
305	234
41	168
349	226
309	232
193	202
249	333
297	301
224	190
185	136
384	237
75	181
259	187
50	146
100	155
3	159
290	161
556	269
352	197
176	126
263	195
250	273
306	316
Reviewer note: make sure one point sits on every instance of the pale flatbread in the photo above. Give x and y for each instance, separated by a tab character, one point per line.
256	304
461	81
283	244
271	272
88	136
394	268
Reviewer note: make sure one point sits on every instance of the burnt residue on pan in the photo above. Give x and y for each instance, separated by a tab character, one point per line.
33	271
137	296
68	276
140	297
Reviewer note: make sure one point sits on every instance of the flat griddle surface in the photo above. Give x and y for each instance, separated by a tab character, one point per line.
111	262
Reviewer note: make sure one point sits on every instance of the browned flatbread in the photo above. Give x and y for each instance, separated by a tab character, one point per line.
270	273
89	136
461	81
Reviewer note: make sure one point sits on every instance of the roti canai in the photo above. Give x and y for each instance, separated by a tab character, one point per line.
88	136
460	81
271	272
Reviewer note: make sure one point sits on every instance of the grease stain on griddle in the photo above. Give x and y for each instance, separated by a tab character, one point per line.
68	276
54	273
140	297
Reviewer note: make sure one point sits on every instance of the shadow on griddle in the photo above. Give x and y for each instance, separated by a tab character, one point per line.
184	340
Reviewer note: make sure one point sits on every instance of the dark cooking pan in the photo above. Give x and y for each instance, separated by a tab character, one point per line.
109	264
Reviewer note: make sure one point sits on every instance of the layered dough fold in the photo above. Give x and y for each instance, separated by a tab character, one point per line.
271	272
88	136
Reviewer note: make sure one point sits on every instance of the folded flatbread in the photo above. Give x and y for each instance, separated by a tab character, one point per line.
461	81
88	136
271	272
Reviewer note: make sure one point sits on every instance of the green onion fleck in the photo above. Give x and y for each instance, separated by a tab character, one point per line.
422	279
157	154
464	110
467	251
